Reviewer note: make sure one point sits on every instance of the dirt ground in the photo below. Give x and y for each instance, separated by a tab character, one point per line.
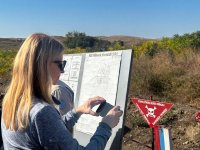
181	120
138	136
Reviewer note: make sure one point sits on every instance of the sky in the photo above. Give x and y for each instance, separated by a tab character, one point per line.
139	18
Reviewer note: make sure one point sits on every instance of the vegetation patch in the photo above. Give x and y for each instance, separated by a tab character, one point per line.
6	61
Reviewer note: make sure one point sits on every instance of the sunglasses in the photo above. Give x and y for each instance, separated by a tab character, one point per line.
60	64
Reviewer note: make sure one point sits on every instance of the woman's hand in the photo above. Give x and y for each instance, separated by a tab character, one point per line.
87	106
113	116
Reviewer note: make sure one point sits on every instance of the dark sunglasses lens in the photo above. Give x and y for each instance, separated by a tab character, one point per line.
61	65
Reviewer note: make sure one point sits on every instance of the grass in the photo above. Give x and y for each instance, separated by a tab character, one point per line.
139	121
165	76
10	43
167	79
6	61
74	51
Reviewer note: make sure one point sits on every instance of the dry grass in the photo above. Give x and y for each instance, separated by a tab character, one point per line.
10	43
168	78
193	133
6	61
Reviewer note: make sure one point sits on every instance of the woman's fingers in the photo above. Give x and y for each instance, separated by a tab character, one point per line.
93	113
116	108
117	111
96	100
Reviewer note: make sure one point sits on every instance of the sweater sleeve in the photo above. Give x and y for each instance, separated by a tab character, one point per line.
71	118
51	133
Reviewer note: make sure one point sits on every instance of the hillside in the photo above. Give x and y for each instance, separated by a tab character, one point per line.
128	40
167	70
15	43
10	43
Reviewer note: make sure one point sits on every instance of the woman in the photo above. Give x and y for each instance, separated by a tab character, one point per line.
64	94
29	119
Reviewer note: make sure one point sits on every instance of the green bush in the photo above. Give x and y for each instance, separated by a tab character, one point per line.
158	84
170	117
74	50
138	120
6	61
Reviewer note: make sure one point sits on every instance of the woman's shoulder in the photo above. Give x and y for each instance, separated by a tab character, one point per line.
41	108
61	85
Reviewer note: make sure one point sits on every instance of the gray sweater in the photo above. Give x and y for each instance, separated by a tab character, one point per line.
64	94
48	130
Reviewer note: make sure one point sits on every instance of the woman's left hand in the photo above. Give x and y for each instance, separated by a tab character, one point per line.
87	106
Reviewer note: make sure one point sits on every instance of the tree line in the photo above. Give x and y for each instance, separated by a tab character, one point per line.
178	43
175	45
79	40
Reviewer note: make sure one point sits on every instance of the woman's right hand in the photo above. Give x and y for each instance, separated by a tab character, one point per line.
113	116
87	106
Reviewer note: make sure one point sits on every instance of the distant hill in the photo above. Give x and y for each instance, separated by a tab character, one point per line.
128	40
10	43
15	43
59	38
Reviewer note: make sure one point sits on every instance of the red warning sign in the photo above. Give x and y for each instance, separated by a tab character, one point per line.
152	111
198	116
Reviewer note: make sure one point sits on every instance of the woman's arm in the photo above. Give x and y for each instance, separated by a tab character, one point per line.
51	132
71	118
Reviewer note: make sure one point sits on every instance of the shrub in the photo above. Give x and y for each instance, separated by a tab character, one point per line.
6	61
74	50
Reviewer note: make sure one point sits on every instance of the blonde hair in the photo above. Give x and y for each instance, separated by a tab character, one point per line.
30	78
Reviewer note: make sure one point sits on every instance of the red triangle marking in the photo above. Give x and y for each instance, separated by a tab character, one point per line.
152	111
198	116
